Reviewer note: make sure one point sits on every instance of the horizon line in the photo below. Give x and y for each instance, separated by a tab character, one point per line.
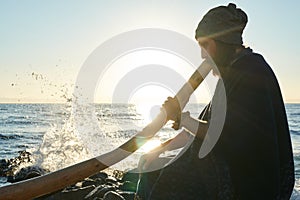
48	101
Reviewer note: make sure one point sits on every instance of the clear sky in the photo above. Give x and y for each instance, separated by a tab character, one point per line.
43	44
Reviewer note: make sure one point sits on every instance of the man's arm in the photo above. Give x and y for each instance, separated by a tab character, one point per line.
173	110
194	126
179	141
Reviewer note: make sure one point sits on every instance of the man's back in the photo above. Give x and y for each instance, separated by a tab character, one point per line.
255	140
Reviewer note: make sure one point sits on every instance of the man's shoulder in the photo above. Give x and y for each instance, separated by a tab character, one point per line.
253	64
253	59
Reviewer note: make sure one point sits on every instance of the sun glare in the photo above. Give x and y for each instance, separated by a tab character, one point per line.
128	64
150	145
148	101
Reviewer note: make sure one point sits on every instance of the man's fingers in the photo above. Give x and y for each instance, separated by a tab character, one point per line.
175	126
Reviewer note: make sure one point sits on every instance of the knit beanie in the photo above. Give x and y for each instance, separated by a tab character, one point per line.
223	23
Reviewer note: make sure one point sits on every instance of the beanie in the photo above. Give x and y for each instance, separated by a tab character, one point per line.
223	23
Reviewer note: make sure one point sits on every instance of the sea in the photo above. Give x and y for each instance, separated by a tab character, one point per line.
56	137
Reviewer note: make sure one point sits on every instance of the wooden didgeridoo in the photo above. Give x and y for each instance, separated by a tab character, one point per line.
60	179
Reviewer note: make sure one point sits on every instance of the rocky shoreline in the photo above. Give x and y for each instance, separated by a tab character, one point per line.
99	186
105	185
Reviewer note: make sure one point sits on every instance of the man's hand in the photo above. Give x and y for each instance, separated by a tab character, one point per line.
172	109
178	124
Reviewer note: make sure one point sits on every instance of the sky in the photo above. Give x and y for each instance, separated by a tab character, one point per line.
43	44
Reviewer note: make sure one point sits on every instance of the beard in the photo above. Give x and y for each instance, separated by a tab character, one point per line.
223	57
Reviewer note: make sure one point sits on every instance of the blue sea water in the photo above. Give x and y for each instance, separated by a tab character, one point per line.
48	131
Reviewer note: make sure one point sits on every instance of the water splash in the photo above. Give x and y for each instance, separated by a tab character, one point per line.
60	148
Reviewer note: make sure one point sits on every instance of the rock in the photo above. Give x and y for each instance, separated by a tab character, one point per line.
69	194
11	179
92	194
113	186
77	193
112	181
99	186
111	195
99	191
24	155
104	190
88	181
26	173
79	185
101	175
11	166
4	163
118	174
99	181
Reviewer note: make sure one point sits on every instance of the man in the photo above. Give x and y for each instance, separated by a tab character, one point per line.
252	158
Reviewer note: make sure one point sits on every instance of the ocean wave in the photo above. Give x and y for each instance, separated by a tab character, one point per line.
117	115
293	132
21	146
17	117
20	122
123	133
10	137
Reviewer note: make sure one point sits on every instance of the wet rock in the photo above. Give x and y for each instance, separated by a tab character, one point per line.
95	181
104	190
116	185
112	181
99	181
88	181
4	163
77	193
79	185
26	173
69	194
99	186
111	195
93	193
11	166
101	175
24	155
118	174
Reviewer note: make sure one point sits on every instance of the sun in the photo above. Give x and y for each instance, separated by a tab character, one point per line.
148	101
128	64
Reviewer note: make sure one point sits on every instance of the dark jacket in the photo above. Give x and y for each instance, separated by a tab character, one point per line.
252	158
255	140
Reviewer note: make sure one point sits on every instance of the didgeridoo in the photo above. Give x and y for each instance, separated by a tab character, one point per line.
60	179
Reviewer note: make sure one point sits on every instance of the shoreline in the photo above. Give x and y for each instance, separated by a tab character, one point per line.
106	184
